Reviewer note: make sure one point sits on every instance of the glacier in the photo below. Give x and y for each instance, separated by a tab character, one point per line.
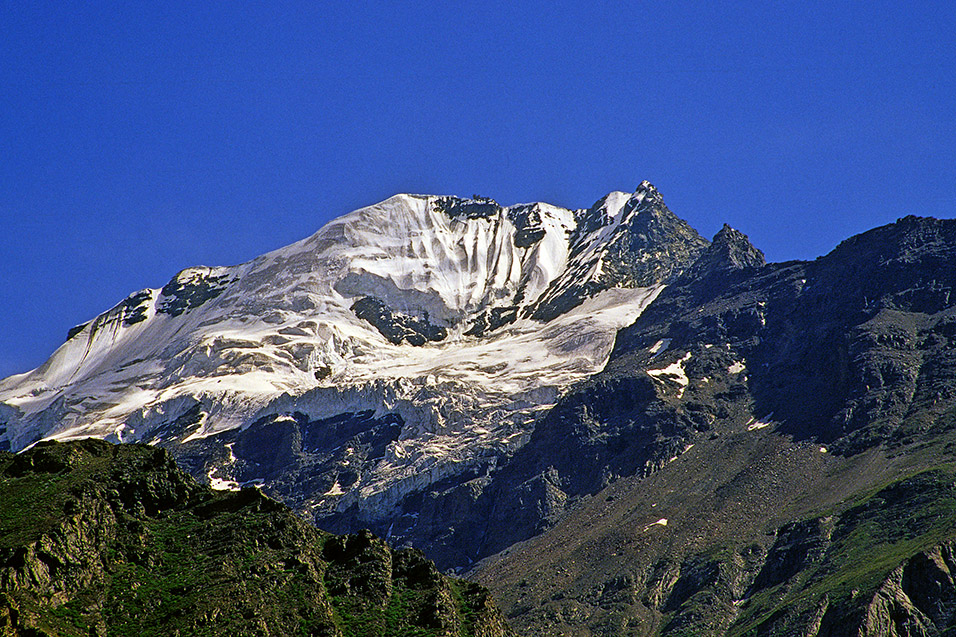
463	318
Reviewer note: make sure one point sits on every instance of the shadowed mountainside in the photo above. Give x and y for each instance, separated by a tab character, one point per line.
768	452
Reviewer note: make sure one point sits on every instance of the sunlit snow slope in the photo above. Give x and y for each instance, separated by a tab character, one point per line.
462	317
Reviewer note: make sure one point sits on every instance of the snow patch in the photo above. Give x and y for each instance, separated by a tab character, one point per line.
661	522
683	451
660	347
753	424
736	367
218	484
335	489
198	432
674	373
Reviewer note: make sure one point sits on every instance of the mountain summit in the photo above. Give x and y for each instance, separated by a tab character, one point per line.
405	343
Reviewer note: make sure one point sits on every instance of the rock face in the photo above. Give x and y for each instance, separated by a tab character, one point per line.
919	596
751	408
98	539
698	549
427	332
648	246
842	348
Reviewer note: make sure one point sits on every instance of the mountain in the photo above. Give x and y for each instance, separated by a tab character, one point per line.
618	427
409	344
101	539
769	451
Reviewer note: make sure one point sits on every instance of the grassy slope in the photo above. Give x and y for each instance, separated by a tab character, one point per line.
606	570
103	539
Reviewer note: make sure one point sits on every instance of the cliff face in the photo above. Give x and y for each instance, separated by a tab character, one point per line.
98	539
918	598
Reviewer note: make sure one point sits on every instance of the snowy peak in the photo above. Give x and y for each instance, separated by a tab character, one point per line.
448	261
453	321
628	242
647	188
647	194
424	268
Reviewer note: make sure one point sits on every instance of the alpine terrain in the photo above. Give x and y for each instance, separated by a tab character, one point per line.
405	345
619	427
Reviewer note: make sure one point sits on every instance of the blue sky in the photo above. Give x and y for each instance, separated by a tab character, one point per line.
137	141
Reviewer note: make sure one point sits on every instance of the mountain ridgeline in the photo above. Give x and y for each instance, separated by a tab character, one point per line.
619	427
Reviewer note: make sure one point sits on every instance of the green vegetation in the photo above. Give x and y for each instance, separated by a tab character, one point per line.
874	536
820	575
97	539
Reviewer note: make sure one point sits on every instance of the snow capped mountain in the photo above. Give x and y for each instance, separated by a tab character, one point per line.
664	423
456	320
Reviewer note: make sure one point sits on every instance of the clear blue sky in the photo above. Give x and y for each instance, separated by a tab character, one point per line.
136	142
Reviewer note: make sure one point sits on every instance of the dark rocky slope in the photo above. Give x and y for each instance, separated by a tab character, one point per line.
747	399
97	539
741	537
852	351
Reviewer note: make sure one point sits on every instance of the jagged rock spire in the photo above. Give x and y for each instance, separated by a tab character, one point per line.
730	251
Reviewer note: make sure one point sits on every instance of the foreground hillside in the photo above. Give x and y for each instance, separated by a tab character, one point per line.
101	539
